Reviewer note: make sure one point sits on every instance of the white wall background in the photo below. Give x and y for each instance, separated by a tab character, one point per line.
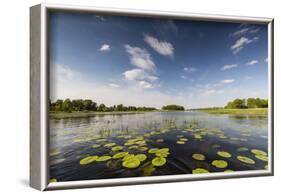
14	98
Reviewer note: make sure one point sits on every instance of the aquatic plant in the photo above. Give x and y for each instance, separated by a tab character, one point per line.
224	154
53	180
199	171
153	150
183	139
262	157
117	148
95	146
198	156
120	155
88	160
242	149
109	145
132	162
148	170
159	161
103	158
180	142
220	163
141	157
258	152
246	160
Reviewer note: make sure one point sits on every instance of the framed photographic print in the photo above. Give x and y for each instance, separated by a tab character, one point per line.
123	97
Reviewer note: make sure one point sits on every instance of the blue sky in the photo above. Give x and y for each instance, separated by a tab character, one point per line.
153	62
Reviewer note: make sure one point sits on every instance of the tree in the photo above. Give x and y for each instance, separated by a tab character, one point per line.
67	105
88	104
173	107
101	108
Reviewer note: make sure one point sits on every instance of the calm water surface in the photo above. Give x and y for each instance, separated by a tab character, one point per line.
72	139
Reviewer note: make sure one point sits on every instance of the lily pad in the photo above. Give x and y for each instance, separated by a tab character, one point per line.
95	146
103	158
128	156
183	139
153	150
246	160
117	148
159	161
120	155
53	180
224	154
198	156
159	140
131	163
148	170
199	171
141	157
242	149
258	152
133	147
262	157
220	163
142	148
88	160
181	142
109	145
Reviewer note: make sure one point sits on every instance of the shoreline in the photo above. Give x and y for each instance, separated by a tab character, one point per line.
63	115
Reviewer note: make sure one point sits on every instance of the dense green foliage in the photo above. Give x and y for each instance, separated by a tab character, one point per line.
247	103
172	107
68	105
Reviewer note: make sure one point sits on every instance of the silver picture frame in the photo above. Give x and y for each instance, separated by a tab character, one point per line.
39	97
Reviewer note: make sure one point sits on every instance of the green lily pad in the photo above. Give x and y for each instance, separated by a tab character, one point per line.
88	160
95	146
258	152
129	143
142	148
109	145
197	136
131	162
103	158
53	180
117	148
153	150
141	157
242	149
120	155
181	142
133	147
128	156
220	163
224	154
159	140
198	156
159	161
262	157
148	170
246	160
183	139
199	171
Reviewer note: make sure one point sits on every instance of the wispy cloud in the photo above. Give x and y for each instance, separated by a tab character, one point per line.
138	74
145	84
190	69
140	58
104	47
114	85
245	30
227	67
252	62
100	17
227	81
241	43
162	47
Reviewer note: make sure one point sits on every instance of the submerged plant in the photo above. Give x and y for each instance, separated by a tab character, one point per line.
198	157
219	163
246	160
224	154
199	171
88	160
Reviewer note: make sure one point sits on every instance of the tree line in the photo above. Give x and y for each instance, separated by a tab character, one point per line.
247	103
173	107
68	105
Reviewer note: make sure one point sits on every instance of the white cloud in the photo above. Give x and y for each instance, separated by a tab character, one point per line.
140	58
226	67
190	69
253	62
100	17
162	47
114	85
104	47
227	81
246	30
145	84
138	74
241	42
266	60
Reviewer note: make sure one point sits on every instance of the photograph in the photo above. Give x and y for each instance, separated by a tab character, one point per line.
138	96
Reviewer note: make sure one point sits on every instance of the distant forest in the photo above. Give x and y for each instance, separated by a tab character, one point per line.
247	103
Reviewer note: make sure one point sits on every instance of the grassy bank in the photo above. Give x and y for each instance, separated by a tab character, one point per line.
249	111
